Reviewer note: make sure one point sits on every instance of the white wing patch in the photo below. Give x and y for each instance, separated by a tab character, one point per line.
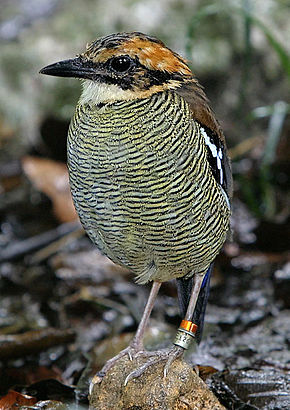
217	154
219	165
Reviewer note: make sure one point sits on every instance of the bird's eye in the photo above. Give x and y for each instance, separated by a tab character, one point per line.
121	64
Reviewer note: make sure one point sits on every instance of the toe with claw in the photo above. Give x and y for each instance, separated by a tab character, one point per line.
155	357
132	351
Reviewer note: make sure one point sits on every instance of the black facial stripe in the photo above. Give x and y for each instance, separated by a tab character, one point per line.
158	77
133	80
126	83
137	76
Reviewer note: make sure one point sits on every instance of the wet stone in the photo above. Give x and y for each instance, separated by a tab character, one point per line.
266	388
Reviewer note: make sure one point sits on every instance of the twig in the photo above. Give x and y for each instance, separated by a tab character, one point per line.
21	248
52	248
33	341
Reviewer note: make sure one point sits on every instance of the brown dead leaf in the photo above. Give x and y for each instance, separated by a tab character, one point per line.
13	400
206	371
31	373
51	178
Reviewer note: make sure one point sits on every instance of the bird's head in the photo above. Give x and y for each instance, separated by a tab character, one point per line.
124	66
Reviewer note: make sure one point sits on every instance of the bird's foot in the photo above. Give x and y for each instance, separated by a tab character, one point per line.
132	351
155	357
136	350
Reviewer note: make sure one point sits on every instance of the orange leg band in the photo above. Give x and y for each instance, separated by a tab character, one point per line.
185	333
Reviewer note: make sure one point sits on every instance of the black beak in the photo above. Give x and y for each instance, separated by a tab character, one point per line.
74	67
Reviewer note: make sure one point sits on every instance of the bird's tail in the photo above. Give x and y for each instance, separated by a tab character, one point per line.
184	288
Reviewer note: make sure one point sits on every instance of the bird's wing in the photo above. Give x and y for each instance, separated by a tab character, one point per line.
219	162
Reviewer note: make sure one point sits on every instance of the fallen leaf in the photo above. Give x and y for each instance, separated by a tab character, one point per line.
13	400
51	178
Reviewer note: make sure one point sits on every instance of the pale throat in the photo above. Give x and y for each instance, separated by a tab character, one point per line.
95	93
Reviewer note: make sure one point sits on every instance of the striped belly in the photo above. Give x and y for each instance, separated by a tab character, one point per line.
143	188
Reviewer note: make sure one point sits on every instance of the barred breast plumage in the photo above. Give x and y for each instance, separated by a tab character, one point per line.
143	188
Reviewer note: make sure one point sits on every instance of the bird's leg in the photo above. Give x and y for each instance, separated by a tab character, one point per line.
136	345
137	342
184	336
187	329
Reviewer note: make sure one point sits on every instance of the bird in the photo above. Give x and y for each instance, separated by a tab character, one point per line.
149	173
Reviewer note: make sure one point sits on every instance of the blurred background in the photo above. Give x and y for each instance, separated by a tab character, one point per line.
63	305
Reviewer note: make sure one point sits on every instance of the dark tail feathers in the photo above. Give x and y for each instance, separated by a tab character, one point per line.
184	288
